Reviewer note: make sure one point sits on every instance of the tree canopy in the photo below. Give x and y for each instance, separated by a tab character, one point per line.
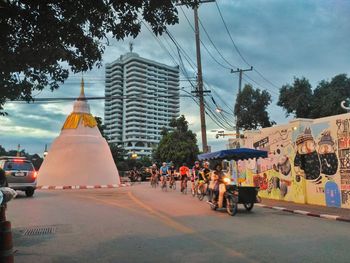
251	108
328	95
302	101
296	99
41	41
101	127
178	145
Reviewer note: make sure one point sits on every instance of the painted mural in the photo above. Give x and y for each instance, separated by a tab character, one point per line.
343	136
309	162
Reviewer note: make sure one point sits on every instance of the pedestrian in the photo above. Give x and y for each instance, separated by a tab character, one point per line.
3	179
3	183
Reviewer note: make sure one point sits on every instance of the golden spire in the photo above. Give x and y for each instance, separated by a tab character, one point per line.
82	93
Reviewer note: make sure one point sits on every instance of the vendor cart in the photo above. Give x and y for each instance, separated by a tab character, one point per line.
246	195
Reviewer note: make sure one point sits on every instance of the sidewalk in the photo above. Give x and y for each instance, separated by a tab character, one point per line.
340	214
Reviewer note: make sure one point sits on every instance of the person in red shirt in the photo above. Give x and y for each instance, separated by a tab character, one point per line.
184	174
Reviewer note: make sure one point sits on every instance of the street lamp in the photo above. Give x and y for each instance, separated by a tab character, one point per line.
134	155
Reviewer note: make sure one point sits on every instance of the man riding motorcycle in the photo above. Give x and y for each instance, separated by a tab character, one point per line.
218	185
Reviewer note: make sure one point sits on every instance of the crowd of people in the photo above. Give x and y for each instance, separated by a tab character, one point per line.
202	178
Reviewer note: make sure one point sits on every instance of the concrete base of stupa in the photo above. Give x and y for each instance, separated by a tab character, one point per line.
78	160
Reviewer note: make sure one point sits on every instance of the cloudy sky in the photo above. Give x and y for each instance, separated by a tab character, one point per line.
281	39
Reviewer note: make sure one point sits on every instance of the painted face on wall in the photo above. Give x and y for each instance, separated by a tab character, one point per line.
307	158
307	147
325	148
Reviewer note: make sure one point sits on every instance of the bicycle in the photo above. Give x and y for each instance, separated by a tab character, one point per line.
172	183
164	184
203	190
184	186
154	181
194	188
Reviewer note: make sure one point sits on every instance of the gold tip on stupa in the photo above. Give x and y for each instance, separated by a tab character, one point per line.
82	93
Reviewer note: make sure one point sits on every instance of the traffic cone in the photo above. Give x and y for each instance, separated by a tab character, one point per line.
6	253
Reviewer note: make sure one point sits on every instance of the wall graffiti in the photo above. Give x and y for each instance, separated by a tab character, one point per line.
343	133
309	162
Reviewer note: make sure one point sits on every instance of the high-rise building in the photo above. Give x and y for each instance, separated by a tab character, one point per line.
145	97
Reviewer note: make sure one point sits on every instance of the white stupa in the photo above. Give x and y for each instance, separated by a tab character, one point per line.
79	155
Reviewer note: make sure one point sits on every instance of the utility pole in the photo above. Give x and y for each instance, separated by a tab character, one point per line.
200	77
240	71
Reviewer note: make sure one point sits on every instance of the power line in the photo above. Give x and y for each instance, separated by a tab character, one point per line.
216	119
205	47
258	84
239	52
217	50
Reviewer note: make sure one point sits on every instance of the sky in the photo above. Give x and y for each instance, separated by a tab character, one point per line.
281	39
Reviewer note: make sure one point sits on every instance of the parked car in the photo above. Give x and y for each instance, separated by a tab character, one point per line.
20	174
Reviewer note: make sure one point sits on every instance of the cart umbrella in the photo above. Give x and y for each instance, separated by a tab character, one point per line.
234	154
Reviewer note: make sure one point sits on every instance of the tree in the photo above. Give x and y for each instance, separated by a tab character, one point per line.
118	154
2	151
304	102
36	160
178	145
41	41
251	108
296	99
328	96
101	127
145	161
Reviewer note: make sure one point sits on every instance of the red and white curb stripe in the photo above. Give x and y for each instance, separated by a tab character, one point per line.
72	187
306	213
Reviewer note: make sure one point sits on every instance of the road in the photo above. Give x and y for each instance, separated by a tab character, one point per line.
141	224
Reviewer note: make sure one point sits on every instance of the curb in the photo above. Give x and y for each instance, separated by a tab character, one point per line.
74	187
306	213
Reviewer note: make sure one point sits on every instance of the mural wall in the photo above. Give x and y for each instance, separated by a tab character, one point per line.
309	162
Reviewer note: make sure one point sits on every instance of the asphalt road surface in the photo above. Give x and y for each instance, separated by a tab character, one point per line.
141	224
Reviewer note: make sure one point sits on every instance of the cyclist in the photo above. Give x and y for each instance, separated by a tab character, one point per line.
184	174
204	176
172	171
206	172
195	174
154	172
164	172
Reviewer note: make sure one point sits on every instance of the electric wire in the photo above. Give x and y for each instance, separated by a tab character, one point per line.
205	47
238	51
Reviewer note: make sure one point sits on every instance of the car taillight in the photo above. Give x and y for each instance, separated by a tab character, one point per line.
18	160
35	174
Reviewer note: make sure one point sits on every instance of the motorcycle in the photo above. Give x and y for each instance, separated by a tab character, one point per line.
229	199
